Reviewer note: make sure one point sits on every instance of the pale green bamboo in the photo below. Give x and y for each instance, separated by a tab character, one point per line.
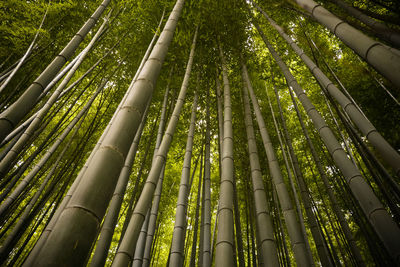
224	254
293	227
375	53
195	224
378	27
107	229
125	252
12	237
141	243
291	173
322	250
201	234
151	228
26	123
49	228
267	243
206	253
220	115
31	175
10	118
5	164
143	248
220	138
381	221
390	155
336	208
27	53
178	236
75	230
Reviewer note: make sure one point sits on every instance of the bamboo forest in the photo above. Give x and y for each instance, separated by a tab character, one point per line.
224	133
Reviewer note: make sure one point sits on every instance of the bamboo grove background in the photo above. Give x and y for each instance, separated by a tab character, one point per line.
208	133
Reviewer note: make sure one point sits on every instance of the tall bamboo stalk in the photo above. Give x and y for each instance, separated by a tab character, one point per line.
31	175
178	239
224	255
22	141
220	139
378	27
381	221
263	217
293	227
385	149
10	118
147	244
206	253
193	252
141	243
384	60
152	220
336	208
157	193
151	228
79	222
125	251
291	174
110	220
27	53
238	227
312	221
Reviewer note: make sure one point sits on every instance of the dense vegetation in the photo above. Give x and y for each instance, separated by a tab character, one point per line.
198	133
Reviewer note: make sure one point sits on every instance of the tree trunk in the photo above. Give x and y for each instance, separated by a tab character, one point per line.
293	227
110	220
224	255
382	59
312	221
87	205
27	53
381	221
178	237
388	34
192	261
10	118
206	253
10	157
385	149
345	227
124	253
263	217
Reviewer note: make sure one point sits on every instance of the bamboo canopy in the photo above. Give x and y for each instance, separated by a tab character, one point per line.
200	133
